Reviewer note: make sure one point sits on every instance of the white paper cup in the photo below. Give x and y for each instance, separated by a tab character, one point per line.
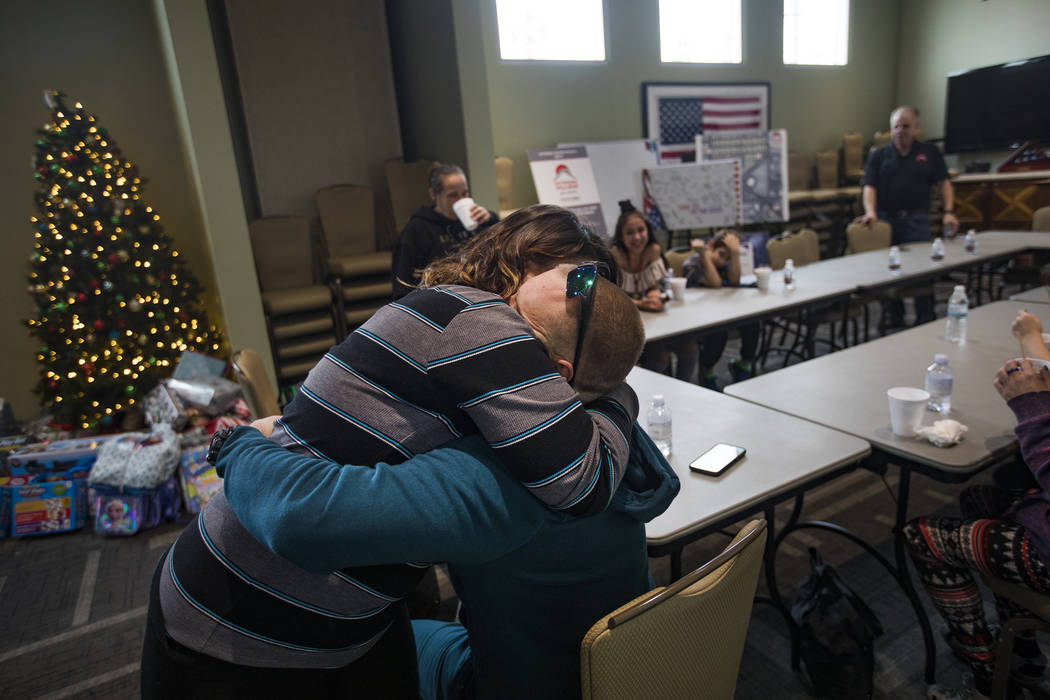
462	208
762	274
678	288
907	406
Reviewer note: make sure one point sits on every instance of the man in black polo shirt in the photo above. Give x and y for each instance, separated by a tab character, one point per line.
897	181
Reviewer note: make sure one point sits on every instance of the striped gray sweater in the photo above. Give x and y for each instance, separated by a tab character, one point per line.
433	366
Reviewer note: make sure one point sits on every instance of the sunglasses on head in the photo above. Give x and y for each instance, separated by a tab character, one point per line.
580	283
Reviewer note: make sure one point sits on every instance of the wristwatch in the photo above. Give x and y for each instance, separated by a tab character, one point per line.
217	441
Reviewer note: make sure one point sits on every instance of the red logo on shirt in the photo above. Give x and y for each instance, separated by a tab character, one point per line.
921	158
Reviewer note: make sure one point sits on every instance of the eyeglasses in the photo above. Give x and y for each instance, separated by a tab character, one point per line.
581	283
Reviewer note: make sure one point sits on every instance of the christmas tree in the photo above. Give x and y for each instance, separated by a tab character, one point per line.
115	306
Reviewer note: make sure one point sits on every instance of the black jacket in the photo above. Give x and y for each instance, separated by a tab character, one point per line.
427	237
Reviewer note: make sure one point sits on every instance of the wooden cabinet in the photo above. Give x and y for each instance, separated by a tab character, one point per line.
1000	201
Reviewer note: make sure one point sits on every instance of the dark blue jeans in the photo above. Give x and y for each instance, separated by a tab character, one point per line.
909	227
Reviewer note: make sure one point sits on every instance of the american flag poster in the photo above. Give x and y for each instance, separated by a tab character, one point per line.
675	113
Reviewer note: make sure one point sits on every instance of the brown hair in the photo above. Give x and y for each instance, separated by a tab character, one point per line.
496	260
627	210
719	240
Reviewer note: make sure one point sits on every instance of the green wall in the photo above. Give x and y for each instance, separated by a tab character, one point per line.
939	37
538	104
107	55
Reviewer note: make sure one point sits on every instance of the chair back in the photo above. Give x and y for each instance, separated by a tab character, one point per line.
251	375
798	172
852	152
675	257
1041	219
865	237
283	252
827	170
803	247
680	641
407	183
504	173
348	219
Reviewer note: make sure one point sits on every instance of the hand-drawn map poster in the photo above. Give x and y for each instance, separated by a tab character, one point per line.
763	170
674	113
695	195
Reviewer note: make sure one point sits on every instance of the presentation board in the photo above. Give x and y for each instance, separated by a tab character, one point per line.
763	170
697	195
564	176
617	168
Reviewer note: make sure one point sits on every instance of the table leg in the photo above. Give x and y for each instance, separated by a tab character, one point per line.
904	577
676	564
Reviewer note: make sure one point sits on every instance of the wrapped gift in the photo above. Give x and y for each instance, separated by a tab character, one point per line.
164	406
70	459
210	394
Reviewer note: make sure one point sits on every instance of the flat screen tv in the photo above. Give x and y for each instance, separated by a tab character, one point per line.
998	106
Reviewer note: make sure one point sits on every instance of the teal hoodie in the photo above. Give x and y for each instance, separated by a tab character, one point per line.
532	580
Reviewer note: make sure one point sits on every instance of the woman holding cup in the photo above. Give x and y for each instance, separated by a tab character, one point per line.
643	270
434	230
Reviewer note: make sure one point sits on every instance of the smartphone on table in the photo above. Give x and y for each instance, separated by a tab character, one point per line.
717	459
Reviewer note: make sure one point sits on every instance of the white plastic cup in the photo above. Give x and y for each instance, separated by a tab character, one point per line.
907	406
462	208
762	274
678	288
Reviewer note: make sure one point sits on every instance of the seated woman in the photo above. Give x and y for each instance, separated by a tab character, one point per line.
717	263
1003	533
643	269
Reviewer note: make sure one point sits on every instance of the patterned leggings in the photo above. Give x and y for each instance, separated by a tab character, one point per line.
946	550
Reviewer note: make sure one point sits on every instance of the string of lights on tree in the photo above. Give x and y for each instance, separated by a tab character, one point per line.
115	305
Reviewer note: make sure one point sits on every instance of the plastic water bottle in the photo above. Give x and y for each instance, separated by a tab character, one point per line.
937	250
970	243
895	260
660	424
789	274
665	286
958	307
939	384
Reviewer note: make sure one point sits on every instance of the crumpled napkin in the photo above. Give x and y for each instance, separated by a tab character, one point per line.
943	433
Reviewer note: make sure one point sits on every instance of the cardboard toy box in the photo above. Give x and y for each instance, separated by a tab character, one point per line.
71	458
198	478
45	507
10	444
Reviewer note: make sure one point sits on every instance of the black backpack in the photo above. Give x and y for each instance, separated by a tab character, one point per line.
837	631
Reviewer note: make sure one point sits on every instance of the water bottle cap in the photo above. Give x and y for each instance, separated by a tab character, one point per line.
789	262
940	359
894	249
658	399
960	288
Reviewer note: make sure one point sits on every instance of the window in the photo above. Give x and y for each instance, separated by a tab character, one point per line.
816	32
551	30
700	31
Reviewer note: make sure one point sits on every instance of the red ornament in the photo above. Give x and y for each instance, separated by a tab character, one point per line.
113	258
42	170
82	297
71	158
94	284
52	385
88	368
99	325
120	323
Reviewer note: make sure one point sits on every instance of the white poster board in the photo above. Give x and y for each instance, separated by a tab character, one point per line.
617	167
696	195
563	176
763	170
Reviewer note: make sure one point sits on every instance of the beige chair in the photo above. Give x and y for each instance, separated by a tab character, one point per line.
1041	219
675	258
861	238
301	315
802	247
680	641
827	170
258	392
360	273
1037	604
504	182
798	172
407	183
852	157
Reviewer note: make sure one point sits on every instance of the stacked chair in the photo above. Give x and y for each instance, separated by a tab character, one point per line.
504	182
358	273
301	318
407	183
852	157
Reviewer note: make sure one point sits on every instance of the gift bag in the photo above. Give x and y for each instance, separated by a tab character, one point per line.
837	631
137	460
121	512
